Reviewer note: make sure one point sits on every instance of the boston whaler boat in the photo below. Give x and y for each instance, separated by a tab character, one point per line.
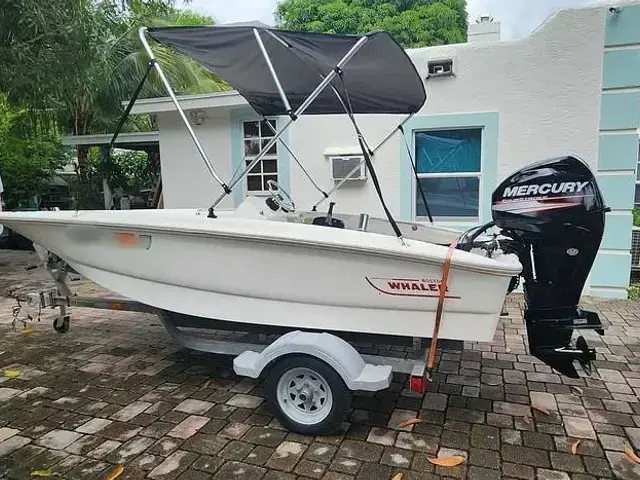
266	263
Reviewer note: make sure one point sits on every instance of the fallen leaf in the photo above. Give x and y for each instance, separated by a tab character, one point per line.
577	389
574	447
398	476
447	461
631	455
540	409
206	384
115	473
527	419
411	421
41	473
27	331
11	373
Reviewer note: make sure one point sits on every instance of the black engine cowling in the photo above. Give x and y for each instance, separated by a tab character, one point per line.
554	214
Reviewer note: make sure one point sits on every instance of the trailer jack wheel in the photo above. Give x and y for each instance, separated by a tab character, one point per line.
308	395
61	324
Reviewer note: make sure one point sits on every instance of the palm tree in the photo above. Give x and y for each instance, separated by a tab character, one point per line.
114	62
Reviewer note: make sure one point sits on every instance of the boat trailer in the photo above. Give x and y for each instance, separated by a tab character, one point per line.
305	372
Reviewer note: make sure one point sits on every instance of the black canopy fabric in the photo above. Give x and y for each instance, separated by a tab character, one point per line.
380	78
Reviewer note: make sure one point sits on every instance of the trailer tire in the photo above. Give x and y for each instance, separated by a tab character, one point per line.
308	396
61	327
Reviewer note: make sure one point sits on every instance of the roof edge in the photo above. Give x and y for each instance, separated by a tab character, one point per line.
226	98
105	138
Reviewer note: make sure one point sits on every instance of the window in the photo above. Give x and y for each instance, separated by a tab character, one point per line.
256	136
448	164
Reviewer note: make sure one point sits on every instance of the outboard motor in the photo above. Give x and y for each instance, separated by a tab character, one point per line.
553	214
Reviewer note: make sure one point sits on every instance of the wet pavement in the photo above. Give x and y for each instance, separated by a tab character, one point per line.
116	390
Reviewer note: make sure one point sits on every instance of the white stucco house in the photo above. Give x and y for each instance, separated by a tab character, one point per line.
571	87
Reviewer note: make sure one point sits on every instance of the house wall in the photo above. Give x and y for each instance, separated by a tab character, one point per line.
186	181
569	88
618	147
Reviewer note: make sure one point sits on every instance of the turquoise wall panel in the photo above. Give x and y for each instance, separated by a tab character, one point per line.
617	232
621	68
609	270
622	28
619	293
620	110
618	190
618	151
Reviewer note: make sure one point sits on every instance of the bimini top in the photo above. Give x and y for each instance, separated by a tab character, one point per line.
379	78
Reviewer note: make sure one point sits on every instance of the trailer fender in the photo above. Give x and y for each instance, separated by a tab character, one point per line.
337	353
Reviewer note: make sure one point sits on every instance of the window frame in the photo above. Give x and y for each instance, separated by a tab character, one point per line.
246	159
479	175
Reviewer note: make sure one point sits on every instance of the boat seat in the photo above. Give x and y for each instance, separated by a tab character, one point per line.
328	220
322	221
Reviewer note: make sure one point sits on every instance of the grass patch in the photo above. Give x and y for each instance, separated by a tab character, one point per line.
634	291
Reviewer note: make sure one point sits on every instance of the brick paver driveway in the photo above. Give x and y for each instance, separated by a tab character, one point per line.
115	390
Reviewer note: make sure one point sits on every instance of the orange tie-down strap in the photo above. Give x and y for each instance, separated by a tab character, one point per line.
443	292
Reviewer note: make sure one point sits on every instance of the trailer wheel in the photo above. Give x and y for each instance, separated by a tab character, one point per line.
308	395
61	325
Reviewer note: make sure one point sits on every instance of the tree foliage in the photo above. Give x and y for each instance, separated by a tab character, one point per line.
66	67
26	163
414	23
73	62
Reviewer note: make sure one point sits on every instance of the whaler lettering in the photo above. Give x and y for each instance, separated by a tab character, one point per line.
422	286
544	189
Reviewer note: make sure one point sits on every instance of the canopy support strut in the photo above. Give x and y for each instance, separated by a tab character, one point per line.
167	85
304	170
274	75
366	153
301	109
415	173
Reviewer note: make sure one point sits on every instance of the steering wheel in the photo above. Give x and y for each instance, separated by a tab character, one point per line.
280	196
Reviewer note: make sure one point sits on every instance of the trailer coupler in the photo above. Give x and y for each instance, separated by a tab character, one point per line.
550	341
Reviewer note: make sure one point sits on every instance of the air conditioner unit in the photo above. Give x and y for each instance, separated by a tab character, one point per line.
342	165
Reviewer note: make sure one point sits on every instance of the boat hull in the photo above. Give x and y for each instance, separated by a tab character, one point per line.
288	281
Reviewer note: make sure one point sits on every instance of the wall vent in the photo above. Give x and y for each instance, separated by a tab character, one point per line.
440	68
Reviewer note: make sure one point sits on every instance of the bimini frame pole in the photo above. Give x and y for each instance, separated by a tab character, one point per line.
357	167
274	75
141	32
318	90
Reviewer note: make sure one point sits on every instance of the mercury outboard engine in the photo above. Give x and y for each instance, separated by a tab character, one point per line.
552	214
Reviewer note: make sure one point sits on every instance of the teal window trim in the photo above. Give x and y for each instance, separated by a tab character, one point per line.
489	123
237	118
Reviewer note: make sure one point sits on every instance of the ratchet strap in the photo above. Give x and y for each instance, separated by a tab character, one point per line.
443	293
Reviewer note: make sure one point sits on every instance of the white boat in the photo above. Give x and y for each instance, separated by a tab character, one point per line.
276	271
266	263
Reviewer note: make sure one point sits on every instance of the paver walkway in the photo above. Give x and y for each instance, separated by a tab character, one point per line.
116	390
